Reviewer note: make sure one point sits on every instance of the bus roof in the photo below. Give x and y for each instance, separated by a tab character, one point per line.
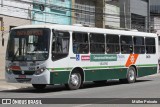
88	29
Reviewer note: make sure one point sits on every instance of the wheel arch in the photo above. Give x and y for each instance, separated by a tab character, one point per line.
135	67
78	70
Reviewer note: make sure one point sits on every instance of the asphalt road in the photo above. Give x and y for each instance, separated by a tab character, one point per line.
146	87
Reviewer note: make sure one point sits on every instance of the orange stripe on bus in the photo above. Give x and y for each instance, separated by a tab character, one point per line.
131	59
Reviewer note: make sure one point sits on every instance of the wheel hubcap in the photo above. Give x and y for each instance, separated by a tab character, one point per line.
131	75
74	79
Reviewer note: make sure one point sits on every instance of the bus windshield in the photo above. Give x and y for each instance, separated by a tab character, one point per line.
28	44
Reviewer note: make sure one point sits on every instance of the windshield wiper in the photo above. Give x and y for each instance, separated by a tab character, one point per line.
15	55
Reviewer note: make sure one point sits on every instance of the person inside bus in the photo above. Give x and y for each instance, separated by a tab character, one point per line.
75	47
107	49
83	48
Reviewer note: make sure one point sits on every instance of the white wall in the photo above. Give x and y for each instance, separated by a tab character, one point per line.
157	23
21	10
139	7
114	18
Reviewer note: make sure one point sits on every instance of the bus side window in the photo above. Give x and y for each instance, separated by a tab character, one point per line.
150	45
80	43
139	47
60	45
97	43
112	44
126	44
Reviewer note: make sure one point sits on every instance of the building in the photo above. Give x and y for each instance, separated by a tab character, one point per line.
52	11
112	14
84	12
12	13
155	15
135	14
88	12
127	14
69	12
155	19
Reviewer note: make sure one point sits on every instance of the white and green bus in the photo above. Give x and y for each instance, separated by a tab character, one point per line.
71	55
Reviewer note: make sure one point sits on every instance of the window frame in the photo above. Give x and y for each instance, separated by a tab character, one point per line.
58	55
146	45
74	46
97	42
114	44
126	47
142	45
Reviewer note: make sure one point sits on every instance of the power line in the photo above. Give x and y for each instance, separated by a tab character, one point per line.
105	15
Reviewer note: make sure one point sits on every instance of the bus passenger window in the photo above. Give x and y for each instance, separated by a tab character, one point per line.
112	44
126	44
139	47
150	45
97	43
60	45
80	43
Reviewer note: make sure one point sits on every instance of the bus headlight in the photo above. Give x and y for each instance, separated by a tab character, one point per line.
40	70
8	70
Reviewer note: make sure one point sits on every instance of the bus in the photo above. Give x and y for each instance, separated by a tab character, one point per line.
72	55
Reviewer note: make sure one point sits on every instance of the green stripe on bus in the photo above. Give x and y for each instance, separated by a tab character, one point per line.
150	65
100	67
59	69
92	67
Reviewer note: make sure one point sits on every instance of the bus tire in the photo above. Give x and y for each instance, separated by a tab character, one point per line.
131	75
74	81
39	86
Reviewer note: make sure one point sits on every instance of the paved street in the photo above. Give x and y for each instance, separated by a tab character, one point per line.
146	87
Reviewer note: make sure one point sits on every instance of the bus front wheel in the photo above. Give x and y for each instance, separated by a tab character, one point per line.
39	86
74	81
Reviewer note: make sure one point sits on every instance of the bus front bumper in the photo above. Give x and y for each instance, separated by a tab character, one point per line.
43	78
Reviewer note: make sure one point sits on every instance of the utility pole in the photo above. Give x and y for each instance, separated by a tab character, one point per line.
1	3
148	19
125	21
45	9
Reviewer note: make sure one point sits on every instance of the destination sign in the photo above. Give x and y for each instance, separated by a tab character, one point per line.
29	32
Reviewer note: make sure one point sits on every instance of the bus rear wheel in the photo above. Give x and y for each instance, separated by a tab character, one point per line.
131	76
39	86
74	81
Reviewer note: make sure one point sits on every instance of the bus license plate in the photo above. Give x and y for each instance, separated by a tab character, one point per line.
22	76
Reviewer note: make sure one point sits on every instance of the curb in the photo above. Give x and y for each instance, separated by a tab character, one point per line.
8	87
11	86
154	75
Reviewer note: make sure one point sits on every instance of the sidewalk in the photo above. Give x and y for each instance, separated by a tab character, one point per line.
11	86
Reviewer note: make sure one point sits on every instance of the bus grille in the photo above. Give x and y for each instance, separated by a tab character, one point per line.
25	72
23	80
